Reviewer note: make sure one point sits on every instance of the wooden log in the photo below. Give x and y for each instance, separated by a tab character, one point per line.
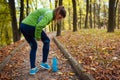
7	59
76	66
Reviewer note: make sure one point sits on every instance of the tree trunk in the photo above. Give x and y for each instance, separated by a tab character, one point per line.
119	15
116	3
80	18
36	4
21	11
80	14
111	16
87	10
69	18
98	14
52	25
1	32
91	13
56	4
94	14
105	16
16	35
74	16
7	38
27	8
59	22
21	14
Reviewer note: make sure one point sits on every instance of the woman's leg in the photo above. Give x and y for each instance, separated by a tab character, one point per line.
29	36
33	45
46	45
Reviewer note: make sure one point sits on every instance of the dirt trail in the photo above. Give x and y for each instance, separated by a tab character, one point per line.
18	67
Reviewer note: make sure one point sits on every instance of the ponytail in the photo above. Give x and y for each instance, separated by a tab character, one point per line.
60	10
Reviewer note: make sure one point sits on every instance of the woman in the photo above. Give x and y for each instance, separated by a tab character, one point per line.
31	28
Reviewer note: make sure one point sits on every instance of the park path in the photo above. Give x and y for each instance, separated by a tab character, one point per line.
21	71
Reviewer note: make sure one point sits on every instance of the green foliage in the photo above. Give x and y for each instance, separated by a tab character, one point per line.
5	28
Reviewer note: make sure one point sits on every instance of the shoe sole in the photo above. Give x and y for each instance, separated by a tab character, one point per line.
34	73
44	67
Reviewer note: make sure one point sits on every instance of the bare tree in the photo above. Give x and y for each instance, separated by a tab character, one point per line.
80	14
111	16
116	4
27	8
21	13
90	13
74	16
21	10
15	31
94	14
118	15
69	18
87	10
98	5
59	22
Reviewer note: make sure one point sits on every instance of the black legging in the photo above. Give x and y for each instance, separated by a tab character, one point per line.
28	32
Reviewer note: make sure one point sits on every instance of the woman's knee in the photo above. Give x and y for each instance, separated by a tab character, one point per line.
33	45
47	41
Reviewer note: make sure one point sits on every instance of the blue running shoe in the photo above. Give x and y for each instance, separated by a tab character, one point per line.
45	65
34	70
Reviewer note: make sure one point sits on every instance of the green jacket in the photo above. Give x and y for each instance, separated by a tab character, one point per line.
39	19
